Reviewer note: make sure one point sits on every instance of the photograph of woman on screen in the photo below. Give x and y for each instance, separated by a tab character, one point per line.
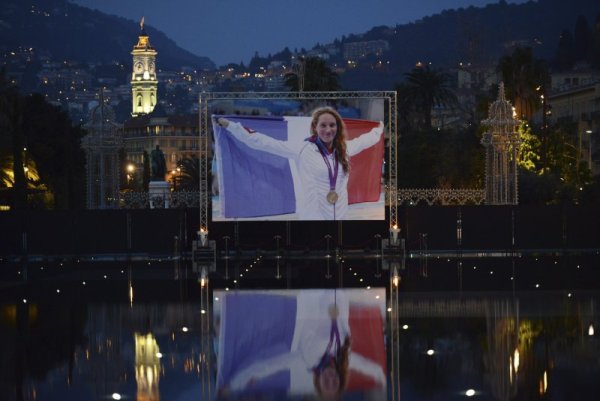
322	162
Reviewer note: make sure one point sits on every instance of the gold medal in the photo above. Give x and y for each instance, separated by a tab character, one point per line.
332	197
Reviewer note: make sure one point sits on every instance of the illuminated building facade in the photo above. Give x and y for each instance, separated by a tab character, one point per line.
176	135
578	103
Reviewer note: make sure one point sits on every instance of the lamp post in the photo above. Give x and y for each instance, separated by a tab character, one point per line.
589	158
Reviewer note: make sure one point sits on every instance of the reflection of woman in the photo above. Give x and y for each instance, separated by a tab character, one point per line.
322	162
320	356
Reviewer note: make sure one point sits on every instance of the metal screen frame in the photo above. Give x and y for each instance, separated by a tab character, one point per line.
390	101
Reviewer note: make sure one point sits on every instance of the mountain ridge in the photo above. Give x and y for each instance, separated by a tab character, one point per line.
66	31
475	35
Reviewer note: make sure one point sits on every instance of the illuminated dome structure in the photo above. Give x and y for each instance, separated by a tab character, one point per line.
101	146
501	141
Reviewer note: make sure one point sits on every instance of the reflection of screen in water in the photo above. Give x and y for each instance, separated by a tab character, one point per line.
268	183
277	342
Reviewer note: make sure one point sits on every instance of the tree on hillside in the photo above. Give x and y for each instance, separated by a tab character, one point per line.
55	146
425	89
441	159
312	74
257	61
583	39
284	55
523	75
595	57
565	53
12	139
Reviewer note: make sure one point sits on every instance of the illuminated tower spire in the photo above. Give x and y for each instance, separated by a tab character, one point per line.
143	77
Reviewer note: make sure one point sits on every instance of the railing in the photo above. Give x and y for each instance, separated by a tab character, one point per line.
175	200
437	196
406	196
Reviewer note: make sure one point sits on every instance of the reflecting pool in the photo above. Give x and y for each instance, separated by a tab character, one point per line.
517	328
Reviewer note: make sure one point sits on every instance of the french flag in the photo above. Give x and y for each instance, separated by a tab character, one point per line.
254	183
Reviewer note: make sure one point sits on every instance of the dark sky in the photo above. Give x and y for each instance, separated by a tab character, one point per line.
233	30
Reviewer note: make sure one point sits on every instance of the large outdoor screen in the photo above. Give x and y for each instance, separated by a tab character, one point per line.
271	161
301	344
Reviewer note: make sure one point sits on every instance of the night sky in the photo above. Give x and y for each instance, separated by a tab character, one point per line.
233	30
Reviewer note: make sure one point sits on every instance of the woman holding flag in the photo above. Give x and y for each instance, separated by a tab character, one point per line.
322	162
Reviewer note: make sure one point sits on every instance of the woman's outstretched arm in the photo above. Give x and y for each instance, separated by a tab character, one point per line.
365	140
256	140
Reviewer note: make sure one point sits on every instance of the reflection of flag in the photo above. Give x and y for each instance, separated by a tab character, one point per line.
254	183
254	328
366	326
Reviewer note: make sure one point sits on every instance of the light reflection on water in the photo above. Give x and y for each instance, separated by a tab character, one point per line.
89	341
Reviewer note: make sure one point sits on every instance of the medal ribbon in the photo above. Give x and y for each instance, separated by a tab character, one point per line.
333	173
328	355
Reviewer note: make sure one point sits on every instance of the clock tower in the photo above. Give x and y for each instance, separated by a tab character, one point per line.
143	76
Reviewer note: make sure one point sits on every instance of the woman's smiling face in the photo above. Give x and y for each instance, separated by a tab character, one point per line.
326	129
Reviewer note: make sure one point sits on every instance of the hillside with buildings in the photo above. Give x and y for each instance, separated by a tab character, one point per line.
59	30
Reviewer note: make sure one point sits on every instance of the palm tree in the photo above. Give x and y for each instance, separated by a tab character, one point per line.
188	178
312	74
524	77
5	169
425	89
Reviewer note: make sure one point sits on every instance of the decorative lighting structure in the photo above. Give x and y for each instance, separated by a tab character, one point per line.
501	142
101	146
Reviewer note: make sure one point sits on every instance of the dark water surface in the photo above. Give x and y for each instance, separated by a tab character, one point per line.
523	327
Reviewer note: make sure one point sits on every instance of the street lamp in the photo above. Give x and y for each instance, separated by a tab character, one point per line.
130	171
175	177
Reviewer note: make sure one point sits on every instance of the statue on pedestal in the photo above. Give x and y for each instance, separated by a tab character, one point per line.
158	189
159	167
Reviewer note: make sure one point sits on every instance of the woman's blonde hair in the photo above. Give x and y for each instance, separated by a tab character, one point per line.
339	141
